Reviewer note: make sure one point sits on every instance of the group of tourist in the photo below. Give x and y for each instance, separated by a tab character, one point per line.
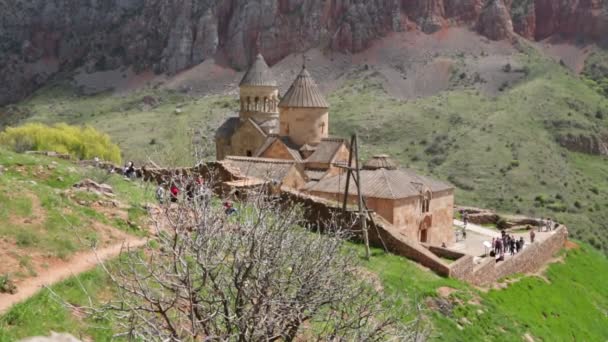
190	188
506	244
129	170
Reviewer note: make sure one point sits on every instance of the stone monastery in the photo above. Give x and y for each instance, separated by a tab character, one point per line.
285	140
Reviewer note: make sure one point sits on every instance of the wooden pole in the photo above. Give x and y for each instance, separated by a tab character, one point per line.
362	215
348	173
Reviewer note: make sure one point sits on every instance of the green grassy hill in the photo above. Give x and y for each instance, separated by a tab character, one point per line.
566	302
500	151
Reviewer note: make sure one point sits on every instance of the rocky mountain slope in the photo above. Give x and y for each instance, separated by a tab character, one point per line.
41	38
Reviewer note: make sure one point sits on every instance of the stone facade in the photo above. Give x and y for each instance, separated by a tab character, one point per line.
433	227
304	125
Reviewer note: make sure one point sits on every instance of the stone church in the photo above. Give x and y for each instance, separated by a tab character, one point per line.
285	140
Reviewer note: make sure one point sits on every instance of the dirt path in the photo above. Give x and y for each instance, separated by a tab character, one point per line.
80	262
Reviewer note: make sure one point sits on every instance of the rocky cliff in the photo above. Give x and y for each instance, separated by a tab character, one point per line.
39	38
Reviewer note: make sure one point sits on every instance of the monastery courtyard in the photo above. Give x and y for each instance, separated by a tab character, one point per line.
477	235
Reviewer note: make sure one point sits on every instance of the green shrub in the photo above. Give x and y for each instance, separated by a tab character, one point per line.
7	285
80	142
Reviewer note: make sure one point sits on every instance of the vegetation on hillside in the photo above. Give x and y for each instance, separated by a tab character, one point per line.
596	72
147	124
81	142
567	301
43	221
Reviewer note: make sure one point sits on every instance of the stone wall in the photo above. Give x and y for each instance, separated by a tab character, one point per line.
530	259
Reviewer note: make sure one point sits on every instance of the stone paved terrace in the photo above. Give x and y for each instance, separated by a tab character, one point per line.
476	235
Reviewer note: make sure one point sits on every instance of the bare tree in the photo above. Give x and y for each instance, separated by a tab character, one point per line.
252	275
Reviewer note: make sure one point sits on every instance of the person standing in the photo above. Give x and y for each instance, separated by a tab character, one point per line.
174	192
465	219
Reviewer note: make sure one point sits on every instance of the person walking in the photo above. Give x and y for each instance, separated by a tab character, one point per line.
532	236
160	193
512	245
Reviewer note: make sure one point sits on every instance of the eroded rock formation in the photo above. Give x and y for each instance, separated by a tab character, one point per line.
595	145
40	38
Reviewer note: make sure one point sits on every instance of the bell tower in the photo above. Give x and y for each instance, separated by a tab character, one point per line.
259	96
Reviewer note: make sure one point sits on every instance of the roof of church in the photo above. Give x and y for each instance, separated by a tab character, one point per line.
261	168
380	161
315	175
304	93
381	183
259	74
326	150
227	129
289	145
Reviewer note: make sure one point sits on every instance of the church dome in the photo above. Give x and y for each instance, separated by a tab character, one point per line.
303	93
259	74
380	161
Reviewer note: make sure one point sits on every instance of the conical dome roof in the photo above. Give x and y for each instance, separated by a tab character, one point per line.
380	161
259	74
304	93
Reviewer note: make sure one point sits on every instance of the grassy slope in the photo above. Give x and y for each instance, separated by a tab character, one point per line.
43	313
569	305
40	221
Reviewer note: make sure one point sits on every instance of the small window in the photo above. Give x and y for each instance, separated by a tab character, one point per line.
249	154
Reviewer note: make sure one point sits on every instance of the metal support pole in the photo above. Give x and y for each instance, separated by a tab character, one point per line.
362	214
348	172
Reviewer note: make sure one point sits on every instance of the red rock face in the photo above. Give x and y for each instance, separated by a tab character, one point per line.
171	35
587	18
495	21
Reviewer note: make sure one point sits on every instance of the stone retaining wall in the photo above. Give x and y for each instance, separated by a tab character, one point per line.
530	259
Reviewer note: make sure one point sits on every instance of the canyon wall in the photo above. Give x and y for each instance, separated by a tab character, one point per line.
40	38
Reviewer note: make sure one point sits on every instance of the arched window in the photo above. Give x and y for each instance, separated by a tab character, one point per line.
426	202
257	103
